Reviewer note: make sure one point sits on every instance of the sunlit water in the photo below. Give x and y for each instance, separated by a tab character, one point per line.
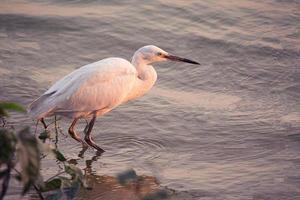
228	129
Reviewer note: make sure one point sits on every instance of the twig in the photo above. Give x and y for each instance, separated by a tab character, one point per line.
55	120
56	133
5	181
38	192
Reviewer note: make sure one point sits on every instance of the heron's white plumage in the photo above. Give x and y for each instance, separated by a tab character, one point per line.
101	86
98	86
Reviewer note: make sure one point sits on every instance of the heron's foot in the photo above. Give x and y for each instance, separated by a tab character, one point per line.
99	153
84	145
90	142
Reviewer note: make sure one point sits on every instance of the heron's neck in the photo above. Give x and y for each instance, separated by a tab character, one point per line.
139	63
145	80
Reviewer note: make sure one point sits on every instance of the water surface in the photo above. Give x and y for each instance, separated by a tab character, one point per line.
228	129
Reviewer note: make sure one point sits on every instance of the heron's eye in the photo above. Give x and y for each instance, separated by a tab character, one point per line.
159	54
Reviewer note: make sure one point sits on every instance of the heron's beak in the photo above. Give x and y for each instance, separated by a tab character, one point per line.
179	59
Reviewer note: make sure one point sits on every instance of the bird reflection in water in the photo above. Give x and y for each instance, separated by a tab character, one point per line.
109	187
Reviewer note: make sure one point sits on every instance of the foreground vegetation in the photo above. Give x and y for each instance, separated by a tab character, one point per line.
20	158
21	153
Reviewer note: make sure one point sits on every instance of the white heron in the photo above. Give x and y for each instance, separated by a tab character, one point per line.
99	87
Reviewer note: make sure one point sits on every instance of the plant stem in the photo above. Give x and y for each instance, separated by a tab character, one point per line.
35	187
6	181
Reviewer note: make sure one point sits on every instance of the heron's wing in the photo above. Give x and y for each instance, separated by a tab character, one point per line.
103	84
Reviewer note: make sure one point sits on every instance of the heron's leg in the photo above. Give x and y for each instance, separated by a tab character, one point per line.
88	137
86	126
44	123
74	134
83	150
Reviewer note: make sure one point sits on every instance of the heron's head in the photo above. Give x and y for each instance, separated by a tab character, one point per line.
150	54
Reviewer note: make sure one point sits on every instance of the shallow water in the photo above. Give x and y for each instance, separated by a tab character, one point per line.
228	129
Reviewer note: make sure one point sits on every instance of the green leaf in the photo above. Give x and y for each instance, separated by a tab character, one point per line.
3	113
8	145
12	106
53	184
44	135
62	186
59	156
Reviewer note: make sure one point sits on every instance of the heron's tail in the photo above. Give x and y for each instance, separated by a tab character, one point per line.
40	107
